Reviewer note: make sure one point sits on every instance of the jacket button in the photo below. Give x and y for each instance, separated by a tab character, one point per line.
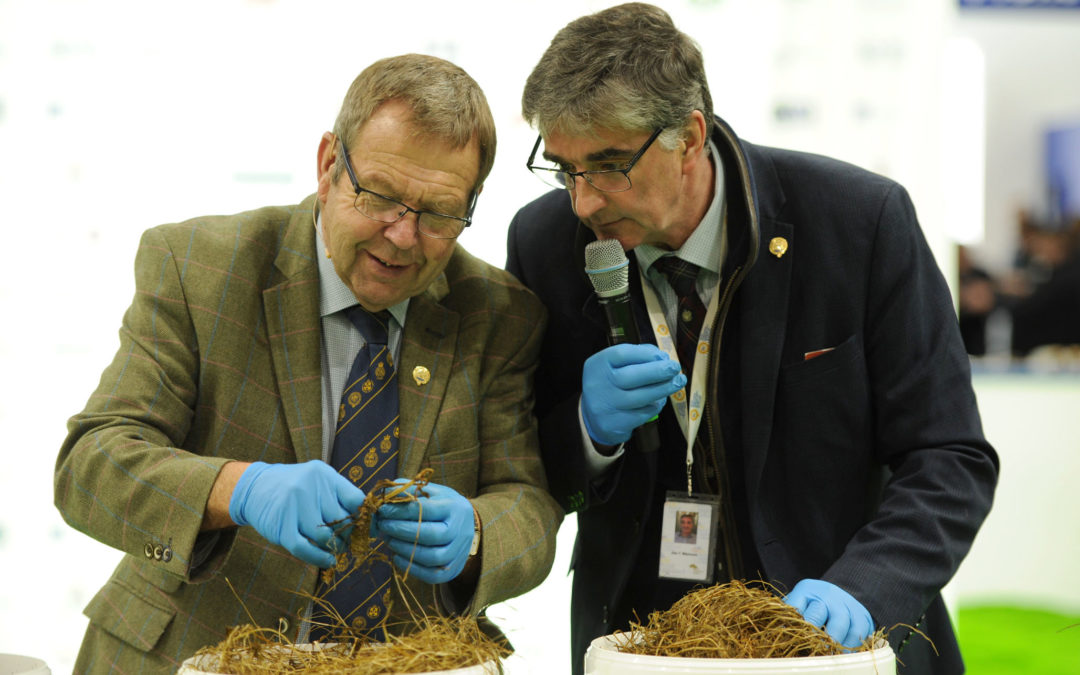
148	550
166	554
157	552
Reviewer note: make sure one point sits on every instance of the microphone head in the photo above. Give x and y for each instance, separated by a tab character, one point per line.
607	267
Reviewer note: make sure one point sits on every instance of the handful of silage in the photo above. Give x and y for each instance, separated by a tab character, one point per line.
731	621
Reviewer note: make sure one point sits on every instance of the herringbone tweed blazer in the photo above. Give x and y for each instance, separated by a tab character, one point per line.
219	359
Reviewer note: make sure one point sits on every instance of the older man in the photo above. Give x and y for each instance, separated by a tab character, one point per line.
275	364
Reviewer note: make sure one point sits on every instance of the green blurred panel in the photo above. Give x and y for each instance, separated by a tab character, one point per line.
1003	640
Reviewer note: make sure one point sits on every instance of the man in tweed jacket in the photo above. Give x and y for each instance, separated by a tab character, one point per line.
224	362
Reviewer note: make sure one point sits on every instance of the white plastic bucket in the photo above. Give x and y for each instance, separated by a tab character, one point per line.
13	664
208	665
604	658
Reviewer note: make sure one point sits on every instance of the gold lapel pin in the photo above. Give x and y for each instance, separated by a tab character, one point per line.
778	246
422	375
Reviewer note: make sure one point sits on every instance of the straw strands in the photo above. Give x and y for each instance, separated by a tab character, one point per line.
731	621
424	644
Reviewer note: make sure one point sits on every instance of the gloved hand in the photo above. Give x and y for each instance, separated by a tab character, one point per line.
429	537
831	607
291	504
624	386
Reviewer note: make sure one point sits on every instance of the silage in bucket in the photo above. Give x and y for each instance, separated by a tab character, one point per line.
604	658
208	664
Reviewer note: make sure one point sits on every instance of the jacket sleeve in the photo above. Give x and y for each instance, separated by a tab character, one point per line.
540	248
927	431
518	516
120	476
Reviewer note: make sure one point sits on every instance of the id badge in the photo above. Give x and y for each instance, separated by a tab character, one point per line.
688	536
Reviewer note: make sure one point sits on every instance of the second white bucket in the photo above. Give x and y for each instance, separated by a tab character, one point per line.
15	664
604	658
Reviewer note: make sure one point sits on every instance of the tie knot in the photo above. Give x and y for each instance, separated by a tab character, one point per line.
373	327
680	274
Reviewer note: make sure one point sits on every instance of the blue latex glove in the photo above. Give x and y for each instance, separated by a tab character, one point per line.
291	504
429	537
624	386
832	608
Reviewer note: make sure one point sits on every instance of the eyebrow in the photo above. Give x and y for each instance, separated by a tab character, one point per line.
442	205
598	156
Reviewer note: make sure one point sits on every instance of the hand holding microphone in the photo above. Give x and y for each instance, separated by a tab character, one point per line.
623	387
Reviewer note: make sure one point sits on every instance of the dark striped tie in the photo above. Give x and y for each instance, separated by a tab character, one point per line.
690	314
365	450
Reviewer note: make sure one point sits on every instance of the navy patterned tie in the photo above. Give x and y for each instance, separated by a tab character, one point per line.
365	450
682	276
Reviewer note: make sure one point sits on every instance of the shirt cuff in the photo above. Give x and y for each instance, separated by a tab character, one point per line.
596	462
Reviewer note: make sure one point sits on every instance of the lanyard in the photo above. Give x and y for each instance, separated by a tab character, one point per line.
689	412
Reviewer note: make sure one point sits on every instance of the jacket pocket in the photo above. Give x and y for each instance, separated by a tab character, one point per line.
128	616
458	469
832	363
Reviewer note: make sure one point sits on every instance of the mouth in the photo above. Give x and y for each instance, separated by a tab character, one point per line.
386	263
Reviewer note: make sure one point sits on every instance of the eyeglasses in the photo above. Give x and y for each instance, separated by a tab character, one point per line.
386	210
605	180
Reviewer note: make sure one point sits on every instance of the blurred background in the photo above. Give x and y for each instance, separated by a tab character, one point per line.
117	115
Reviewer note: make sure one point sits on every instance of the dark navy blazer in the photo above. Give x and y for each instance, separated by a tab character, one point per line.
865	466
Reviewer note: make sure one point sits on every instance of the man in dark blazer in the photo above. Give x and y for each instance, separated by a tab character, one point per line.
840	434
229	374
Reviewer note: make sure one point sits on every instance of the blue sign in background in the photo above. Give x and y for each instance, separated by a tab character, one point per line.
1063	171
1023	4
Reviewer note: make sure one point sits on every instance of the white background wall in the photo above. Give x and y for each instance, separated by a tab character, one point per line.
116	115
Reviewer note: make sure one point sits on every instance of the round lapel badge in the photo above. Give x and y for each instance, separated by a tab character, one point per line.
422	375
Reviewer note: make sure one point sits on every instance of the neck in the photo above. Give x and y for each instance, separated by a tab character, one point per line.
697	196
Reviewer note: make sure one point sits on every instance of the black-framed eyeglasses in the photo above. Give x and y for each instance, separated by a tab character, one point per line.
605	180
387	210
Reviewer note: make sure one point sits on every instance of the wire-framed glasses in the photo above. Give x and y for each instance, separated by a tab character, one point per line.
387	210
605	180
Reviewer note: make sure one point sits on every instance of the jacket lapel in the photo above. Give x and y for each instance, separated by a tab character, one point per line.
428	353
293	328
762	327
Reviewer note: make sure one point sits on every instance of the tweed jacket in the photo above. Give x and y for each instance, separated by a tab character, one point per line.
865	466
219	360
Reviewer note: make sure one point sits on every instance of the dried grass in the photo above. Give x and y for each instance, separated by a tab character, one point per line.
422	644
731	621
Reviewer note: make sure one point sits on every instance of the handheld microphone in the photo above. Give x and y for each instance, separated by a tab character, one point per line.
609	272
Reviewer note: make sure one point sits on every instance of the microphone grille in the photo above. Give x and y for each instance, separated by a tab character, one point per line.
607	267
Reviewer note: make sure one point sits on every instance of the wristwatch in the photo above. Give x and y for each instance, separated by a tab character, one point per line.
476	534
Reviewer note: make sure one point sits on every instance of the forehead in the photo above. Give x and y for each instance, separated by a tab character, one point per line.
601	144
394	153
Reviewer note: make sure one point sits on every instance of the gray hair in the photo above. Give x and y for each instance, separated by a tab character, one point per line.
625	68
446	103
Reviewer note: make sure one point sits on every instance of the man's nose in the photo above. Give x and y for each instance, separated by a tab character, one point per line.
404	232
587	199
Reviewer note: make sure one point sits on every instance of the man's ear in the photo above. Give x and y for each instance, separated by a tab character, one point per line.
328	149
694	139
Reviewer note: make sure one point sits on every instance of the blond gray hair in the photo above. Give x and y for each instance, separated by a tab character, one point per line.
446	103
